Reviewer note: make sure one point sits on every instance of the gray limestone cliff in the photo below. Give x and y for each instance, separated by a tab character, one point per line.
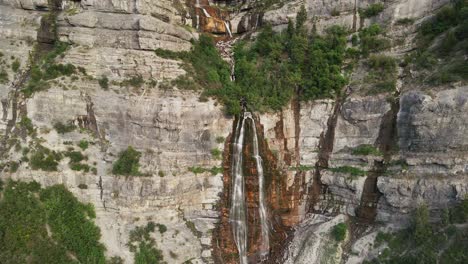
176	131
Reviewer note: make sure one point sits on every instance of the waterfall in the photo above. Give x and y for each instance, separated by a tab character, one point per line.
205	12
265	246
228	29
238	213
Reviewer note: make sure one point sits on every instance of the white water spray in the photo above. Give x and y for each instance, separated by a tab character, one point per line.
238	213
228	29
265	246
205	12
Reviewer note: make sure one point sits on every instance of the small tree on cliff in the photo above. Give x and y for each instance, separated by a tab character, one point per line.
128	163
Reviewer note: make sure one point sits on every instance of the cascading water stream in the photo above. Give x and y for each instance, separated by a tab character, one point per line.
228	29
238	213
265	246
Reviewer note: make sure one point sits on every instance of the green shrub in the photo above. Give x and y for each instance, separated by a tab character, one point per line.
15	65
161	173
353	171
371	41
13	166
339	232
335	12
144	246
26	124
47	226
3	76
64	128
83	144
197	170
405	21
104	82
71	226
75	156
162	228
128	163
220	140
80	167
134	81
420	225
371	10
44	159
216	153
82	186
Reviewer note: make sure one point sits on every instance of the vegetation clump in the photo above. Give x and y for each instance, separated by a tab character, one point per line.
353	171
371	10
365	150
47	226
64	128
128	163
104	82
144	246
339	232
270	71
44	159
442	46
425	241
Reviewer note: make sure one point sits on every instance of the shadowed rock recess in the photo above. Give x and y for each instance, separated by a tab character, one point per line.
348	144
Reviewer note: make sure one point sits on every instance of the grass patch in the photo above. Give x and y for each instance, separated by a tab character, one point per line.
353	171
198	170
128	163
365	150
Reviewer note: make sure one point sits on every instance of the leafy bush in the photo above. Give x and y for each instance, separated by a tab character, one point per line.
23	226
405	21
71	226
82	186
104	82
15	65
144	246
134	81
220	140
371	10
128	163
83	144
75	156
64	128
216	153
26	124
3	76
339	232
371	41
383	73
44	159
